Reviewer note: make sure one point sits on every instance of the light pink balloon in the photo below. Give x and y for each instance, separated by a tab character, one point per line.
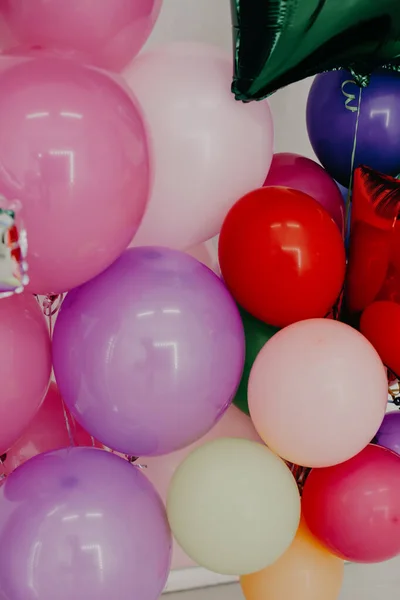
206	253
73	150
160	469
106	33
50	429
208	148
25	359
317	393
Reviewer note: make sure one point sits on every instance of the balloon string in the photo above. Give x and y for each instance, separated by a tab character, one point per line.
353	155
51	306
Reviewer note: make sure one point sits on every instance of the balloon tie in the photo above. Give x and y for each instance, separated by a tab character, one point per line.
51	305
300	474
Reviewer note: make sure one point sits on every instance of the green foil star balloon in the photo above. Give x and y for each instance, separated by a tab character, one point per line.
256	334
278	42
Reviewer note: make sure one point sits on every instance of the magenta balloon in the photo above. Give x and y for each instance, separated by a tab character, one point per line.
149	354
305	175
73	150
82	524
106	33
25	359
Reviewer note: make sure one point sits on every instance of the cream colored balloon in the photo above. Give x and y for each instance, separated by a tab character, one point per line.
233	506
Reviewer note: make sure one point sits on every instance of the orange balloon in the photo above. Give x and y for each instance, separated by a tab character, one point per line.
307	571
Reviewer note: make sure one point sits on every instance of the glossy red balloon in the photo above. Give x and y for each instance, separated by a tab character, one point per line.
282	256
354	508
380	324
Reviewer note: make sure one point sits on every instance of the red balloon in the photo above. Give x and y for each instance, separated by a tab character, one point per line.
380	324
282	256
354	508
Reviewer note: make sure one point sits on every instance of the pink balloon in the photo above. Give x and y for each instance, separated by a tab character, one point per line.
25	359
106	33
208	149
305	175
317	392
354	508
50	429
160	469
73	150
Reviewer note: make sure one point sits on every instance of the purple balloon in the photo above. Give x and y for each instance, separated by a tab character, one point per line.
332	117
305	175
389	432
82	524
148	355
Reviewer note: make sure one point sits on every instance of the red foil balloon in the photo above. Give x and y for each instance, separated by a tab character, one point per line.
354	508
374	254
282	256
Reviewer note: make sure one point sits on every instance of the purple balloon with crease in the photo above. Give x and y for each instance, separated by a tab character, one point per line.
303	174
149	354
389	432
332	118
82	524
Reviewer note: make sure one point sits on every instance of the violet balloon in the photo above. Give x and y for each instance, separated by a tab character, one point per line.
106	33
73	150
388	435
332	110
82	524
148	355
303	174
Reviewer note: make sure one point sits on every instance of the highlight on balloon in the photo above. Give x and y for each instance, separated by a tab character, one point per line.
199	334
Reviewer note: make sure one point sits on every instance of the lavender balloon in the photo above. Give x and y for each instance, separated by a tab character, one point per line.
388	435
81	524
148	355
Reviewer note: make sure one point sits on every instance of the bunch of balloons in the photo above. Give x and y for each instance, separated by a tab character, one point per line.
115	172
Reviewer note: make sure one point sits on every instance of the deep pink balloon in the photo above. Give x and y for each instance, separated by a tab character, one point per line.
148	355
25	359
304	174
354	508
106	33
82	524
50	429
73	150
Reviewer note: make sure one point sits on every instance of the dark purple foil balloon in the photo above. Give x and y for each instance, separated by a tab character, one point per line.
332	116
389	432
82	524
148	355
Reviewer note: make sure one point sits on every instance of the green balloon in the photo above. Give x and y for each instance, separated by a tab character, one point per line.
278	42
257	334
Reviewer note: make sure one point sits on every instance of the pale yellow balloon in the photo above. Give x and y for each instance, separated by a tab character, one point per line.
233	506
306	571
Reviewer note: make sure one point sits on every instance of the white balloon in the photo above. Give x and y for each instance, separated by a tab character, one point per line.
233	506
208	149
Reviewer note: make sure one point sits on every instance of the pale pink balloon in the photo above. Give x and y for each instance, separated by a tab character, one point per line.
106	33
50	429
209	149
206	253
317	393
73	150
160	469
25	359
